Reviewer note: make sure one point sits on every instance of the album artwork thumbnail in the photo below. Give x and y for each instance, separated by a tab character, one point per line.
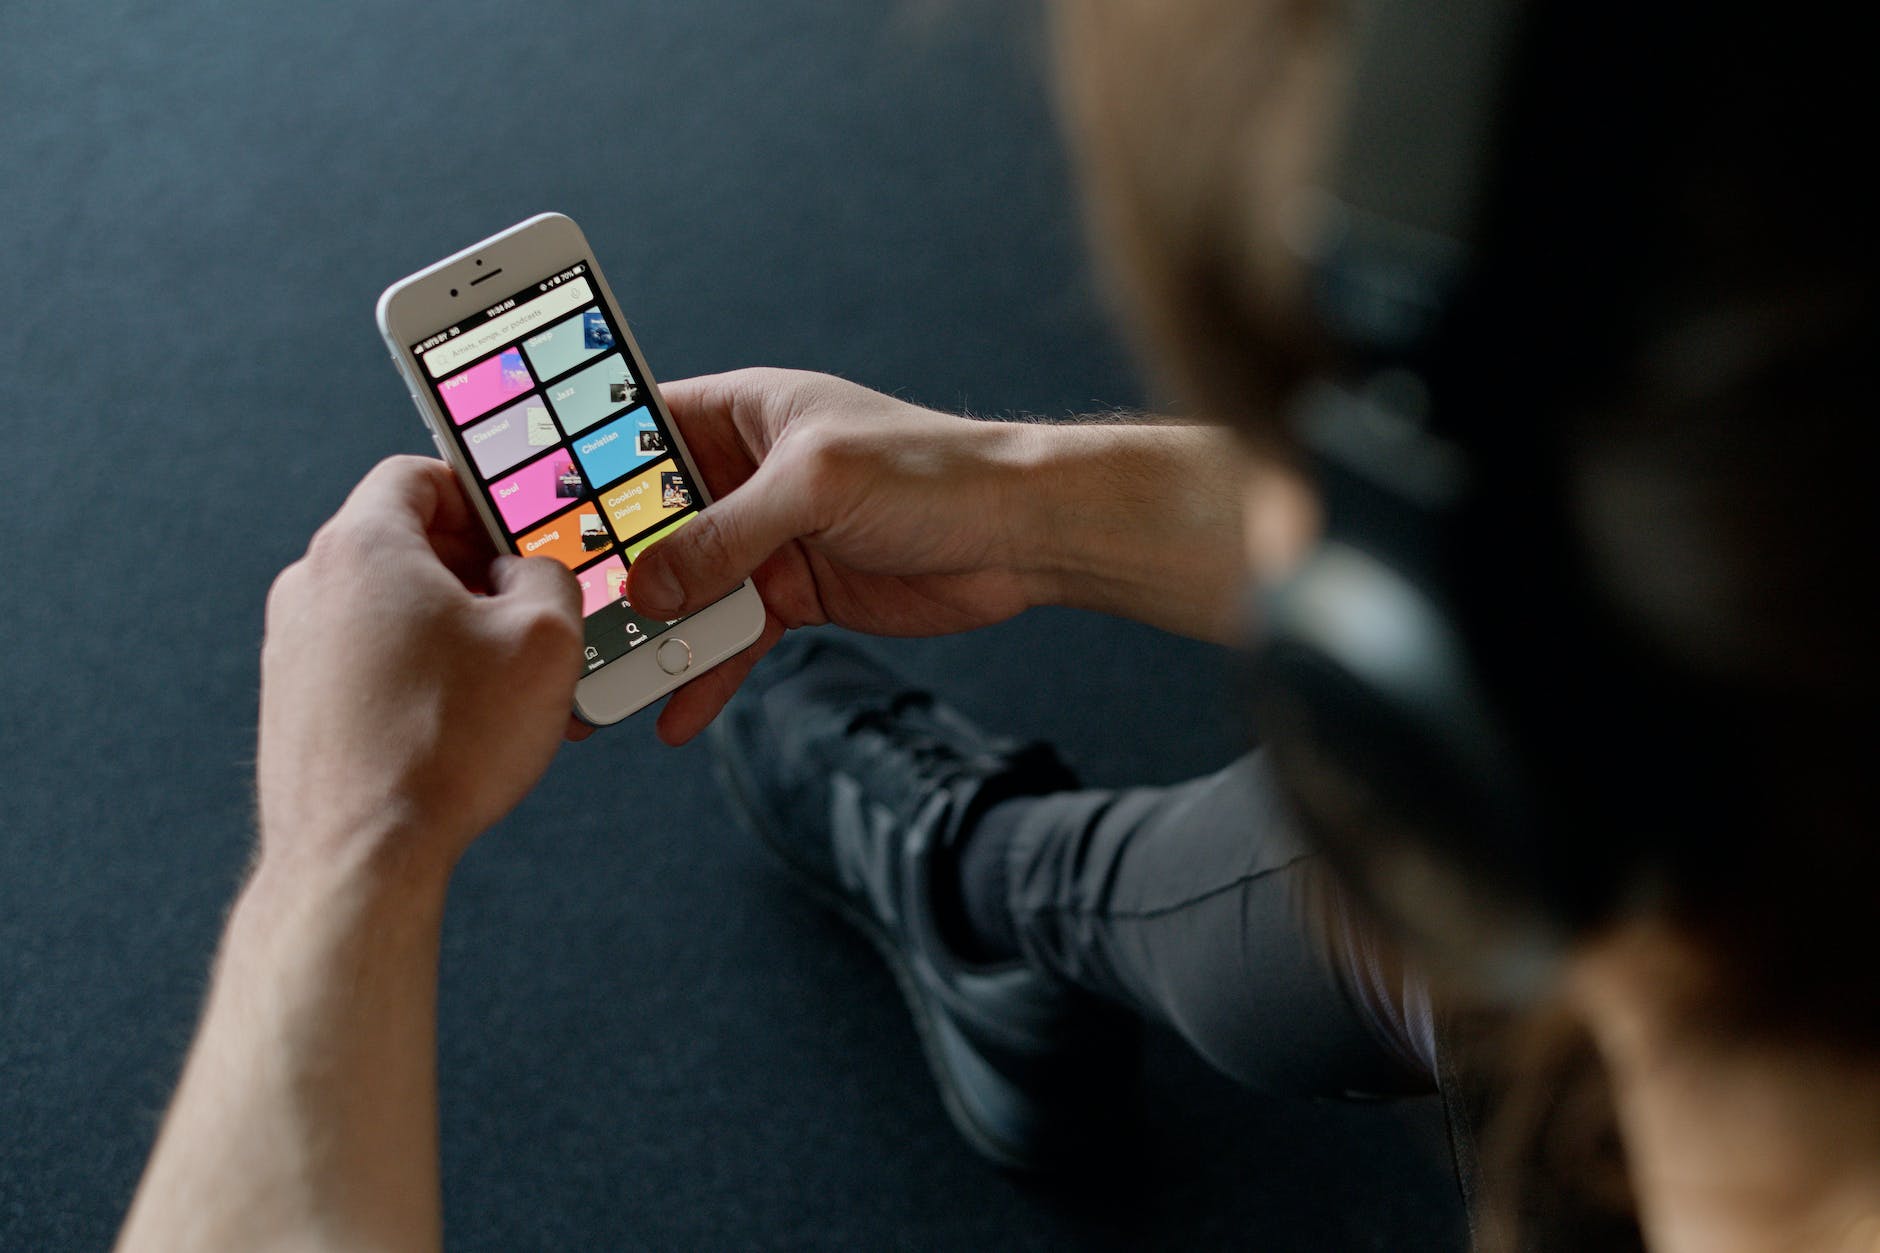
673	492
596	335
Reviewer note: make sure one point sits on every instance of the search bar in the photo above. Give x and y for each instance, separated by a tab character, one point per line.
452	353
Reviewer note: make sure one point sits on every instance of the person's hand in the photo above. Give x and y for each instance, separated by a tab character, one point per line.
847	506
402	714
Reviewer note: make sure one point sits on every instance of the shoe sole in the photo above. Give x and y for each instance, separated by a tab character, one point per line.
740	793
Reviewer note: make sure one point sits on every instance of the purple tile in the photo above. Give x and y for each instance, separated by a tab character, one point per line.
509	435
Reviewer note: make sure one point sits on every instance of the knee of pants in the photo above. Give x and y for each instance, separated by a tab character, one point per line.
1250	979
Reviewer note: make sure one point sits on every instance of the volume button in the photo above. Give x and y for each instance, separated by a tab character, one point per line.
424	420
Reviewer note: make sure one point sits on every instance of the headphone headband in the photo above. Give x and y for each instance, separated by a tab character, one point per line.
1478	746
1389	236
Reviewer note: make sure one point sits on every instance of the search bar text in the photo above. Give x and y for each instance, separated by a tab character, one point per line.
452	353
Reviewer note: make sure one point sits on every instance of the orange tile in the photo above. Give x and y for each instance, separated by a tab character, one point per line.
560	537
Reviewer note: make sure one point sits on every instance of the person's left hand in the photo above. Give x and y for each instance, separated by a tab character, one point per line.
402	713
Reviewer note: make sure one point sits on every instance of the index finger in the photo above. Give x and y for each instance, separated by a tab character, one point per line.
730	420
405	496
704	411
406	500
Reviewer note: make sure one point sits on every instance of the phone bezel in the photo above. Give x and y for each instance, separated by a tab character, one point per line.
418	304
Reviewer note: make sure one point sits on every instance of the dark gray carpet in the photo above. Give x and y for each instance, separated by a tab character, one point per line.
648	1042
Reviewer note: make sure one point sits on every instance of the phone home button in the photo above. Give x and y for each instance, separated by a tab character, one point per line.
674	656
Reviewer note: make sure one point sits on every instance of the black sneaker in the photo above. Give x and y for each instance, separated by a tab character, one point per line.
860	786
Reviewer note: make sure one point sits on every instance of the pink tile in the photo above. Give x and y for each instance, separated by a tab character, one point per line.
485	385
535	491
600	584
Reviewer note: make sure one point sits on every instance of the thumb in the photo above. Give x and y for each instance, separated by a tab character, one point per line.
718	548
535	585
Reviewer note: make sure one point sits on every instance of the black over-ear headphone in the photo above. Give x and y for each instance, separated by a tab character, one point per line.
1463	723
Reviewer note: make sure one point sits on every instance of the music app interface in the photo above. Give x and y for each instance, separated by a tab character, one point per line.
549	410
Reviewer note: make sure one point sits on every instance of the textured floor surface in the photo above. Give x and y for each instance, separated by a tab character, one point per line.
648	1042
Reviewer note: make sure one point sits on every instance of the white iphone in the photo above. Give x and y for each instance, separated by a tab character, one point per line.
533	390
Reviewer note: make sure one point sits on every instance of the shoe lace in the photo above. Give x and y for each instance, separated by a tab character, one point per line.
929	754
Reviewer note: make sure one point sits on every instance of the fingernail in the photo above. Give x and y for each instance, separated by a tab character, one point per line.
652	589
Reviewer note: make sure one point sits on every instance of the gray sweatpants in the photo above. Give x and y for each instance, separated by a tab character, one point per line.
1197	906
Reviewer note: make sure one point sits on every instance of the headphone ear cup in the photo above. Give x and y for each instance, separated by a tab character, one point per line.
1387	747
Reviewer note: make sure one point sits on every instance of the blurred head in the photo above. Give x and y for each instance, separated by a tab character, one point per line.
1693	453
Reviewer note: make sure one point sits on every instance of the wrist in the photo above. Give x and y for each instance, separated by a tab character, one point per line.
1140	520
294	923
1057	481
1019	460
387	859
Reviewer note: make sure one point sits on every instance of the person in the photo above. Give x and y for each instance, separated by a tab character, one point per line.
1725	1007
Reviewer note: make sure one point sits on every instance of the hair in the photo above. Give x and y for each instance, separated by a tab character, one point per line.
1719	467
1192	122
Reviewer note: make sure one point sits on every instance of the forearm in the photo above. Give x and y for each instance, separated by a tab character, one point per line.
306	1117
1143	521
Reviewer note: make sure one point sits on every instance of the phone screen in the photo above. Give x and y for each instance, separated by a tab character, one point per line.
552	414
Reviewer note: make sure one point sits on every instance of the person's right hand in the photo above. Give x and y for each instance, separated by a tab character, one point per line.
846	506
